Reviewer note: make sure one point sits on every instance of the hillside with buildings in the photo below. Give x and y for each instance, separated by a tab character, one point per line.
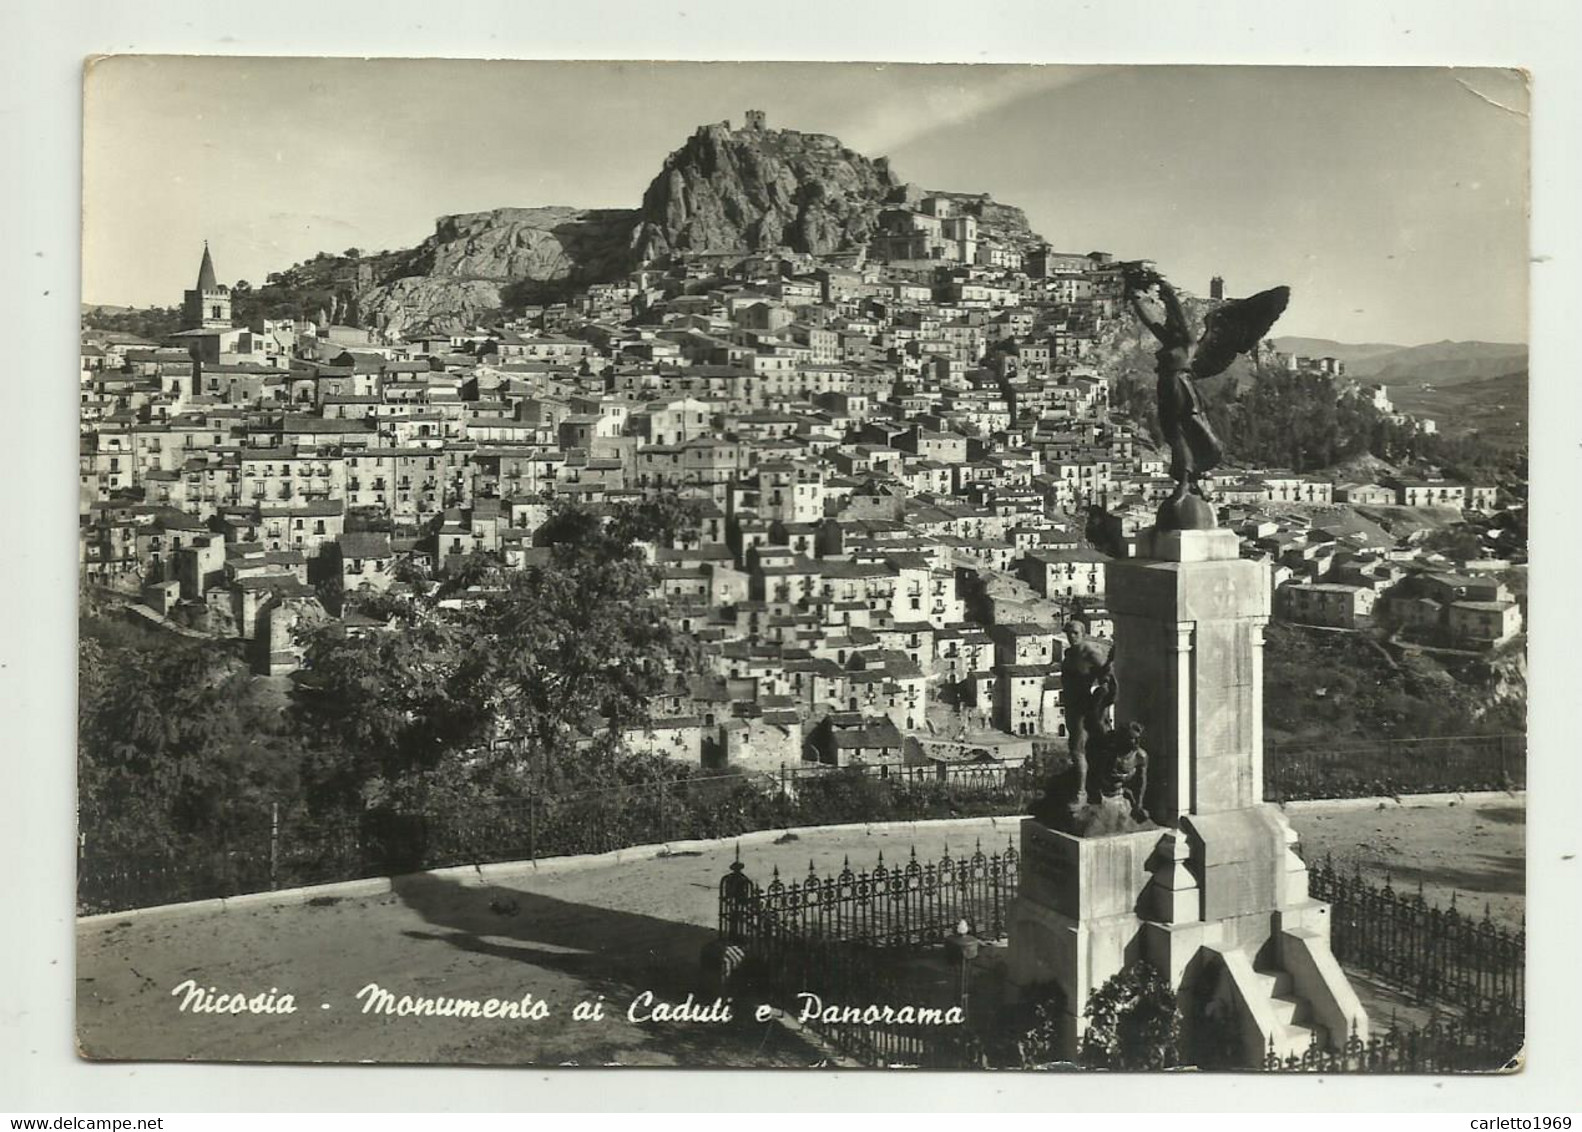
825	507
1348	353
1494	407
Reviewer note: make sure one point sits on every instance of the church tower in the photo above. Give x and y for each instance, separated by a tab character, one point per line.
208	305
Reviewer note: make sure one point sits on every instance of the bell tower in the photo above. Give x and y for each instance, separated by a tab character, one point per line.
208	305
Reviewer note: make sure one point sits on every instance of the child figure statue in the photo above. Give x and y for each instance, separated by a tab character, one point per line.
1125	775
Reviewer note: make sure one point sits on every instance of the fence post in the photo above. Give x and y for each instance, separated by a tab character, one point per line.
532	827
274	846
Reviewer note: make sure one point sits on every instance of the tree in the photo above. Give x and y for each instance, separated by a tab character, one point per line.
576	647
1042	1028
386	704
173	744
543	667
151	323
1459	541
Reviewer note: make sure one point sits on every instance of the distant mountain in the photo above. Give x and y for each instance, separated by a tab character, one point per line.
1441	363
1348	352
1461	386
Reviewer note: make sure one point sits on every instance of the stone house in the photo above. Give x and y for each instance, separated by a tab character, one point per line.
676	737
1331	604
851	739
1482	624
366	561
1027	643
1027	699
1064	572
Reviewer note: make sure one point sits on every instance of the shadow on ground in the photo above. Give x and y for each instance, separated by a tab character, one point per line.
612	953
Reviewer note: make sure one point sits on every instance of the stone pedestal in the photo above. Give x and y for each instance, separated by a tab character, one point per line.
1189	657
1076	920
1219	902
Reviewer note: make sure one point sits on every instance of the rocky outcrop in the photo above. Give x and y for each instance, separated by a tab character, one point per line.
429	304
465	272
756	189
537	244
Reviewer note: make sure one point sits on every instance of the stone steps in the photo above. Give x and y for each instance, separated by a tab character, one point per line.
1273	983
1295	1029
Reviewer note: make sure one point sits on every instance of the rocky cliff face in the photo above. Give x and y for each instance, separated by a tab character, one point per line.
755	189
464	272
429	304
539	244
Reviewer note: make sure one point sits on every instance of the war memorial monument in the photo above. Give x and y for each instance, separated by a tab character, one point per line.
1191	871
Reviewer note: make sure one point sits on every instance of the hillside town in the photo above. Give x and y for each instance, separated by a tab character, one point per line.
905	470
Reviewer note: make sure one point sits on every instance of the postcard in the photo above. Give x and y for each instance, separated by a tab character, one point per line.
803	565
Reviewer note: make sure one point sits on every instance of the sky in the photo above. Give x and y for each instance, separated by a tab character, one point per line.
1393	201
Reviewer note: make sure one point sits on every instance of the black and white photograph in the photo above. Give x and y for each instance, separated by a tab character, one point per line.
803	565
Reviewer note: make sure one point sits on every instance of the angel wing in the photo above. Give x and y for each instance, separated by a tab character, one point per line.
1235	328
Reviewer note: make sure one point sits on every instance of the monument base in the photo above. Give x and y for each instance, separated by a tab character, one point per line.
1075	923
1219	903
1219	907
1190	512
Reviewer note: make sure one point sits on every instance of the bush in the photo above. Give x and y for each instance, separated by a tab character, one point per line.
1040	1043
1132	1022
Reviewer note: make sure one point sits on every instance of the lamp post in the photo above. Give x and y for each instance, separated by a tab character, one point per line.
963	949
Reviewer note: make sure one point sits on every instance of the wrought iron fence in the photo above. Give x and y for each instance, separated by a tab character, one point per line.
109	880
257	853
989	780
867	1005
274	849
1439	956
837	936
1480	1044
913	904
828	944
